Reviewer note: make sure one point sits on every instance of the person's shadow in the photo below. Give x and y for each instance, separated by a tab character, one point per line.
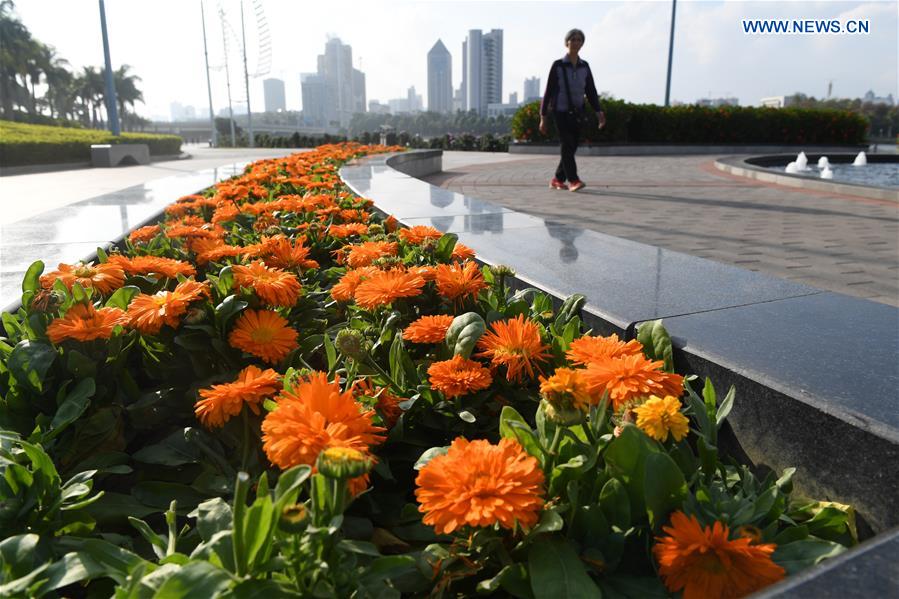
566	234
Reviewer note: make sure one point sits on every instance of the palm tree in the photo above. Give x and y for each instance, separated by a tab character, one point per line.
126	90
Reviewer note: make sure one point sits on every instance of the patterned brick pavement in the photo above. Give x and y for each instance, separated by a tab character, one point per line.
840	243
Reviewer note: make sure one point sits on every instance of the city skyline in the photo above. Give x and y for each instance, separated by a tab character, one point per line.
626	45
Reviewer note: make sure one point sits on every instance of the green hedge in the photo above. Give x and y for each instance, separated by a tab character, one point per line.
648	123
22	143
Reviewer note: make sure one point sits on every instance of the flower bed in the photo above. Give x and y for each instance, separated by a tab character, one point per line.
277	390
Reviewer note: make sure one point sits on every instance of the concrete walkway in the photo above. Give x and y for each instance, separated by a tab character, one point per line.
835	242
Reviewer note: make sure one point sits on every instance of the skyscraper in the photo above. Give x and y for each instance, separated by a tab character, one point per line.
337	85
274	95
483	68
440	79
532	89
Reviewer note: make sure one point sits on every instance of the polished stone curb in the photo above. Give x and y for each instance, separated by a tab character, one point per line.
74	232
816	373
869	570
649	149
743	167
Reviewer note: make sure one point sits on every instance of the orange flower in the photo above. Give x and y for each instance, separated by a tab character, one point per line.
272	285
264	334
462	252
419	233
220	403
143	265
383	287
280	253
632	377
314	416
345	288
478	484
705	564
83	322
388	403
428	273
589	349
515	344
144	234
147	313
104	277
391	224
458	376
428	329
457	280
567	387
347	230
368	252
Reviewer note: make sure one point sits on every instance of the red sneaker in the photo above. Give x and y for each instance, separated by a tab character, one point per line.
576	186
556	184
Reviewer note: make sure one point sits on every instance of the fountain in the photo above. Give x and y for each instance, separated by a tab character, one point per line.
802	162
860	160
792	168
823	163
826	173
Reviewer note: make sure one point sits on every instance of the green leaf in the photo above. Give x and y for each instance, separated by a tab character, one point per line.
570	307
156	541
160	494
464	332
626	460
196	579
445	247
512	579
330	352
174	450
30	361
512	425
550	521
397	369
72	407
388	567
32	280
726	406
116	507
429	455
17	554
656	343
213	516
615	504
556	571
797	556
122	297
664	486
288	485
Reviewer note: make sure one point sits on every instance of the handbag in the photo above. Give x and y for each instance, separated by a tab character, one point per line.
578	116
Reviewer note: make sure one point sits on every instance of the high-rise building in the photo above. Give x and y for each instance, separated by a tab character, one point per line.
483	64
532	89
275	101
337	85
513	98
463	89
314	99
440	79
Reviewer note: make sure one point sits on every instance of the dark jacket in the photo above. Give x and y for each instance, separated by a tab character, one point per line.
555	98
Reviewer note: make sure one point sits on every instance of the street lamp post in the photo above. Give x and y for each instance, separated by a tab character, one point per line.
208	80
670	54
111	104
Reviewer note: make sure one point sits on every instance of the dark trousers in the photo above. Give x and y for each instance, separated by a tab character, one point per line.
569	135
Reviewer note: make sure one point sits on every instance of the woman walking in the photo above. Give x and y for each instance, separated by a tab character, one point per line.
570	79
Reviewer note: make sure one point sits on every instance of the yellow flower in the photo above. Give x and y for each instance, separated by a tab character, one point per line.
659	417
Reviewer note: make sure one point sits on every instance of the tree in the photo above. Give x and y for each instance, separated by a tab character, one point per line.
126	90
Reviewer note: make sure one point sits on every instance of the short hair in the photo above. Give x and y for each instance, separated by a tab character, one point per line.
573	33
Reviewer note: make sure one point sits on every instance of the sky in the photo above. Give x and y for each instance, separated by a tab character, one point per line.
626	45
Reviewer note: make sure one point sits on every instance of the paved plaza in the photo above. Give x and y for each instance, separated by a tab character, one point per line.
835	242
